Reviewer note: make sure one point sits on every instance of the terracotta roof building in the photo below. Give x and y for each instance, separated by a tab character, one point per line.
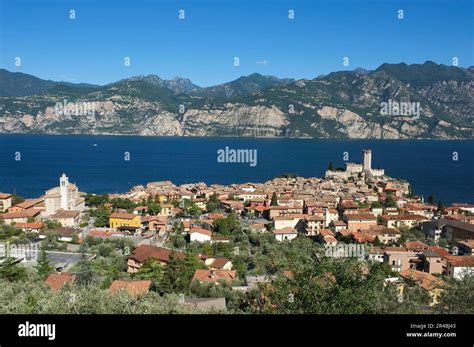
144	252
58	280
214	276
133	288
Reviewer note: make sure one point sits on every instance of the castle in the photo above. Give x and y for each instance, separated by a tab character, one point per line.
65	197
353	169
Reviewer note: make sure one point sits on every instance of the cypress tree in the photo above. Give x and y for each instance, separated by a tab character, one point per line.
274	201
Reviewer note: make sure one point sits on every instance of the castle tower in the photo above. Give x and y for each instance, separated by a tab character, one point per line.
367	160
64	191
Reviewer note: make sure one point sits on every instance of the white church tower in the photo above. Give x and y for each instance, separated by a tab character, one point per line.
64	191
367	160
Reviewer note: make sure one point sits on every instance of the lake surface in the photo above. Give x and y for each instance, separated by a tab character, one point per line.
97	163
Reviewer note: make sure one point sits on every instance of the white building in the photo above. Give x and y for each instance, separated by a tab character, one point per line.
460	266
285	234
65	197
200	235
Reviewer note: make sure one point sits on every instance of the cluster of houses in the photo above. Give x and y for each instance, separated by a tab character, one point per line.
64	205
359	205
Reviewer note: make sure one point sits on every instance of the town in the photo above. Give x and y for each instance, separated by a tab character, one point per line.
289	245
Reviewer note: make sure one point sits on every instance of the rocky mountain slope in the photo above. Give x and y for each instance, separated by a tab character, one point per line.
345	104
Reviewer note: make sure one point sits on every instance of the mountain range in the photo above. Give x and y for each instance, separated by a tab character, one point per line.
343	104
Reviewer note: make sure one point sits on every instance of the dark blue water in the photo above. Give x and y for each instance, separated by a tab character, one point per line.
428	165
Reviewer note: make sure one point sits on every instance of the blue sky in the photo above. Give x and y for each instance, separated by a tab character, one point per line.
202	47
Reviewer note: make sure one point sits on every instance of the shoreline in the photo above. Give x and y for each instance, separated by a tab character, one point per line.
237	137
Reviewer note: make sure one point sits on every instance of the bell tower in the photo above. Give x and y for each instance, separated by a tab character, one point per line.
64	191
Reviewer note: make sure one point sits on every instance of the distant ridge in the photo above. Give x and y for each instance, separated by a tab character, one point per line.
342	104
21	84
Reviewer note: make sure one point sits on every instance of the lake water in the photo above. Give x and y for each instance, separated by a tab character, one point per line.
97	163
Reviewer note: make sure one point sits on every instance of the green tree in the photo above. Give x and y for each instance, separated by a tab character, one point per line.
101	216
193	209
105	250
412	234
377	242
95	200
43	265
457	297
334	286
153	208
123	203
189	266
376	204
169	282
11	271
431	199
226	226
150	270
274	201
213	203
16	199
389	201
441	207
178	273
330	166
35	298
52	224
85	274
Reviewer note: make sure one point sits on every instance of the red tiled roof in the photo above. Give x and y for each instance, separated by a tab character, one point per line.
100	233
218	263
20	214
326	232
122	215
362	238
460	260
361	216
65	214
441	251
469	242
220	238
415	245
28	203
200	231
211	276
144	252
215	216
424	279
133	288
56	281
315	218
284	231
416	217
33	225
